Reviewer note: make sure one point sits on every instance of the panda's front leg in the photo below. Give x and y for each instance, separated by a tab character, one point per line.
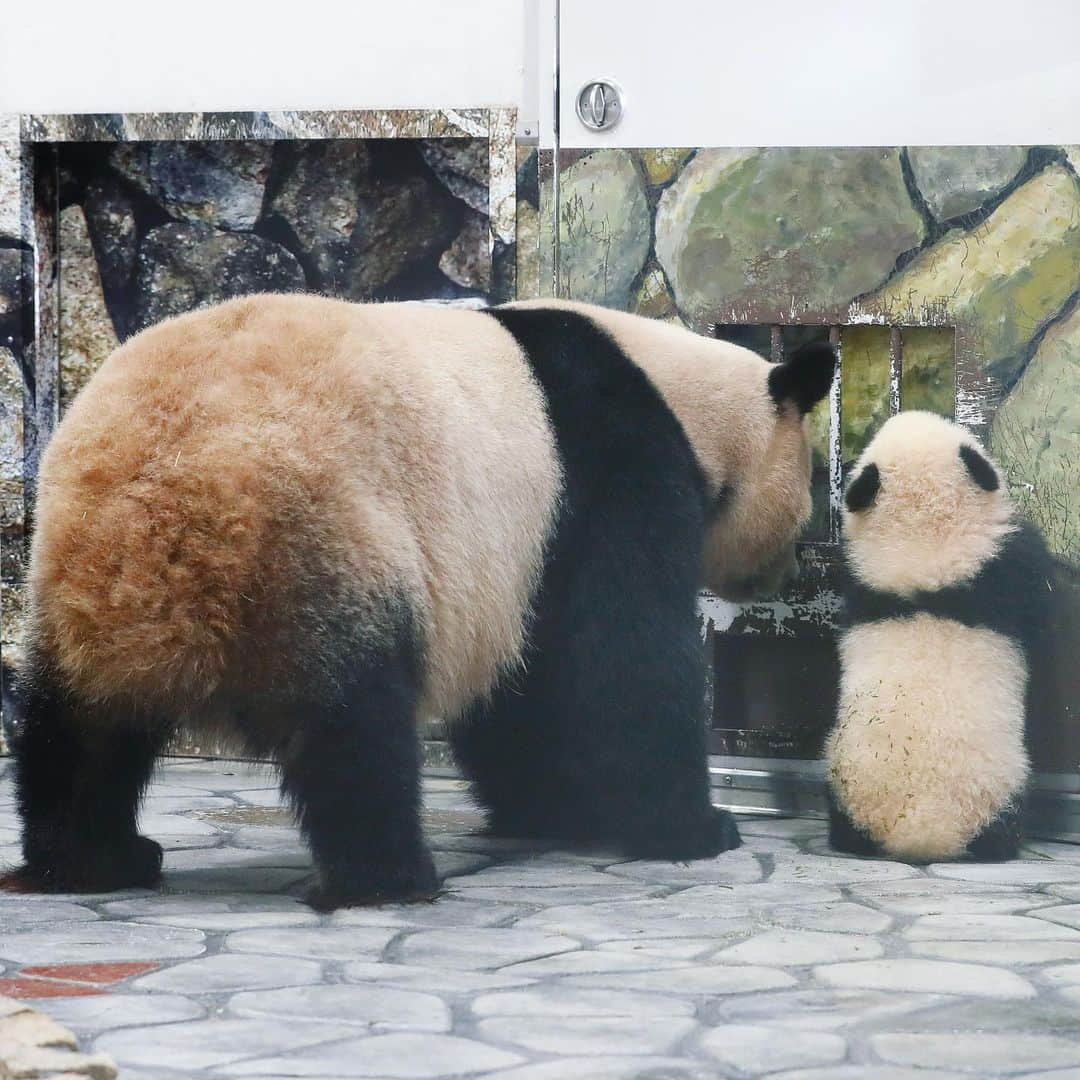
352	773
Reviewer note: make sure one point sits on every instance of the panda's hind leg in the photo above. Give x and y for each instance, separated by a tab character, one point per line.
1000	840
351	769
80	770
844	834
600	746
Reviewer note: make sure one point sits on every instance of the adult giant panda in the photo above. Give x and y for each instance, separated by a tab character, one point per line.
955	611
302	523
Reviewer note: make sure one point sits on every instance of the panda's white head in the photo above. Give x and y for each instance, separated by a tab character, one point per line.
925	508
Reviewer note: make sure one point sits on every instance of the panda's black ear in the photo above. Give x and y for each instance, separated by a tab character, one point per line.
862	491
804	377
982	472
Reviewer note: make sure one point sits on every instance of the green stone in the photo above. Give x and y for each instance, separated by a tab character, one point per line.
753	236
928	378
604	228
1004	280
1035	436
864	385
652	297
663	164
955	180
527	252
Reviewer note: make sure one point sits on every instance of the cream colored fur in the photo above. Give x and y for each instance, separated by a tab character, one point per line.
930	525
719	392
234	480
929	745
238	483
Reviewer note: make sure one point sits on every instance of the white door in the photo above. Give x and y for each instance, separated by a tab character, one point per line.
901	178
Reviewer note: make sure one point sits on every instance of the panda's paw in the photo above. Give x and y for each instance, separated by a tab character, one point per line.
133	863
700	837
415	884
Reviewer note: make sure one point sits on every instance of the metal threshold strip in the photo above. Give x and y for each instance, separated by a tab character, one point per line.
789	788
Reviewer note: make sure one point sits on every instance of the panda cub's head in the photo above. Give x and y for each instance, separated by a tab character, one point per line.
925	508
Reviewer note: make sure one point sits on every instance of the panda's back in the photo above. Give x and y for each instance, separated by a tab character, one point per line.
929	744
233	474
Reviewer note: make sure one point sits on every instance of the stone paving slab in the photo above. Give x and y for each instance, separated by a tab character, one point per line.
781	959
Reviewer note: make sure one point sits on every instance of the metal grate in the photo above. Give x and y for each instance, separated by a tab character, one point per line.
881	370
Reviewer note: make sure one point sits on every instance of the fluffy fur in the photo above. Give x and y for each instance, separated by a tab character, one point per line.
948	606
303	523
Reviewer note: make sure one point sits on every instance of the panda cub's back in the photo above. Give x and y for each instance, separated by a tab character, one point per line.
929	743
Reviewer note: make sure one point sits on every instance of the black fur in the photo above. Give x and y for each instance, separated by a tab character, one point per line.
844	834
1013	594
350	766
862	491
80	770
352	772
600	742
1000	840
982	472
805	377
720	502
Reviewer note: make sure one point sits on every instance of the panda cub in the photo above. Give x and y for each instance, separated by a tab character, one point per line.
949	603
302	524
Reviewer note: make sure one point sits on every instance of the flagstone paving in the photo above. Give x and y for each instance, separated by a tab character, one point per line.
781	959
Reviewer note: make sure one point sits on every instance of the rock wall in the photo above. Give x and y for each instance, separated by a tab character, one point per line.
150	229
981	240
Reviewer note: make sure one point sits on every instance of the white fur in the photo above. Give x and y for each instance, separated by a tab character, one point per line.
930	526
929	745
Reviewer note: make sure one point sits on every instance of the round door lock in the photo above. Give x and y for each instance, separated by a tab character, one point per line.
599	105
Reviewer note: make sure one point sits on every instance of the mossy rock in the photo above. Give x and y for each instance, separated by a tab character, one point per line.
1035	436
751	235
1005	280
955	180
604	228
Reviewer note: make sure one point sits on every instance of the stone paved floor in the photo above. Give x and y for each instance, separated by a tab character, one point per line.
777	959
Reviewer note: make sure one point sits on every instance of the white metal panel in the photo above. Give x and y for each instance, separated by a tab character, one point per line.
846	72
207	55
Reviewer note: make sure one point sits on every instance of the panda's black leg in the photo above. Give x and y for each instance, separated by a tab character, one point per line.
1000	840
80	771
352	772
844	834
503	756
647	788
602	744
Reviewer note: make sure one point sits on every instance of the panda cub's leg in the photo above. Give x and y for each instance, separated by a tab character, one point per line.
1000	840
844	834
80	770
352	773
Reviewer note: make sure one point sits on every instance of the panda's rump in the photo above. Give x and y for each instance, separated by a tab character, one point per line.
928	746
258	489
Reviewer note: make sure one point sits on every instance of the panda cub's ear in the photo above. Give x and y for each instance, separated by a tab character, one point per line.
982	472
804	377
862	491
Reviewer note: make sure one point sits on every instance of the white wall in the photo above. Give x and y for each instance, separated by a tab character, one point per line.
833	73
695	72
193	55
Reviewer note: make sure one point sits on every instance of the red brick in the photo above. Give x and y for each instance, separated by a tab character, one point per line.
98	974
44	988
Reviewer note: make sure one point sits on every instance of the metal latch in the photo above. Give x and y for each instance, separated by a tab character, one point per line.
599	105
